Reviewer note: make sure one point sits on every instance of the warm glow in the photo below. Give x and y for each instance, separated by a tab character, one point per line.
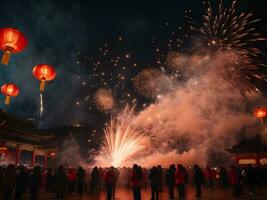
52	154
260	113
247	162
13	39
44	72
10	90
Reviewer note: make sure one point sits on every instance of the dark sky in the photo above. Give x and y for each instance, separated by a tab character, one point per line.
68	35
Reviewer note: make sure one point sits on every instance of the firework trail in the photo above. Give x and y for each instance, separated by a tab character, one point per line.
124	142
41	105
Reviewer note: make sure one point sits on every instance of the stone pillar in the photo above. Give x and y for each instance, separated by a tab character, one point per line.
258	159
17	156
45	160
33	157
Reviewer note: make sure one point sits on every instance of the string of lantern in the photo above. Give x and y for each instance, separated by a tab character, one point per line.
13	41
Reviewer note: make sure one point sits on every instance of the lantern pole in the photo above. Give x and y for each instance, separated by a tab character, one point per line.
42	86
6	56
7	100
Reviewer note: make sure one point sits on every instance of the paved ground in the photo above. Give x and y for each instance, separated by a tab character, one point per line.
126	194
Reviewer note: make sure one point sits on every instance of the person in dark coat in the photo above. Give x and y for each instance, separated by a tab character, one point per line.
223	177
35	182
49	182
170	181
198	179
9	179
154	183
136	181
259	177
80	180
21	183
110	181
251	176
161	177
61	182
95	181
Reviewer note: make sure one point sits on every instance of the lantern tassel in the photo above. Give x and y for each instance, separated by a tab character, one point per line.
7	100
42	85
6	57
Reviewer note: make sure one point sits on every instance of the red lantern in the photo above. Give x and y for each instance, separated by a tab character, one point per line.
260	113
11	41
9	90
44	72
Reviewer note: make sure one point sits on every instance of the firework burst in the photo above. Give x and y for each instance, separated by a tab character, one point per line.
151	83
104	99
124	142
223	29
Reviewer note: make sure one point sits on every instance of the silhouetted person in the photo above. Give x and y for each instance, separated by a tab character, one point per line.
154	183
95	181
61	182
233	177
180	178
21	183
223	177
161	177
198	179
110	180
251	175
259	176
49	182
209	177
116	176
80	180
35	182
170	181
9	179
136	181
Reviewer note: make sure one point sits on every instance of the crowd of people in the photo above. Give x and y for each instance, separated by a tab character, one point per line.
16	182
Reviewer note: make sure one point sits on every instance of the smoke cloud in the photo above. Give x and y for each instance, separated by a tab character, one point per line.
201	117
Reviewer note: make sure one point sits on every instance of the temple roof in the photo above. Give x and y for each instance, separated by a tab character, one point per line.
252	144
20	130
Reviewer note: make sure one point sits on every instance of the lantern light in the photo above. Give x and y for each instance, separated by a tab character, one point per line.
9	90
260	113
11	41
44	72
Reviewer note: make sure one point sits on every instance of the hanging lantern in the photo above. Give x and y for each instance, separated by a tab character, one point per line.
11	41
9	90
44	72
260	113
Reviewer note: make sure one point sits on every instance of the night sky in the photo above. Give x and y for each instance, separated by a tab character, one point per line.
74	36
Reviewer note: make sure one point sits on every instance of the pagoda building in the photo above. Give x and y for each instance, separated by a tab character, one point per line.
250	150
22	143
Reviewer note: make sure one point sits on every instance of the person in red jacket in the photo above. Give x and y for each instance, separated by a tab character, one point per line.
180	177
209	177
233	177
72	178
136	181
